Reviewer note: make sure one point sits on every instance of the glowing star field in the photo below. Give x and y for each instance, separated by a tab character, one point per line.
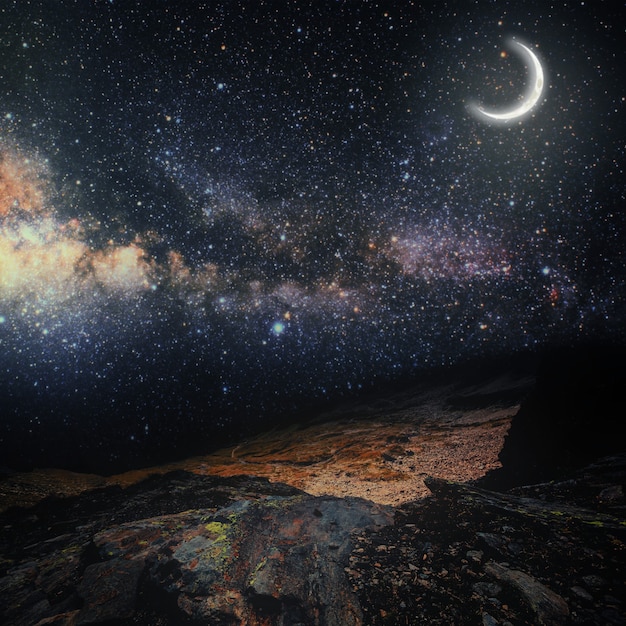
212	214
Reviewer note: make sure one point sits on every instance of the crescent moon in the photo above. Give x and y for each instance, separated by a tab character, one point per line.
532	97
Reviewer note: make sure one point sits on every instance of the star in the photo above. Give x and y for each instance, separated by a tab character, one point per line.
277	205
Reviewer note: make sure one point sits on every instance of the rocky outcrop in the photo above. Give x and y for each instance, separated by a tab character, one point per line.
278	558
264	559
257	553
549	607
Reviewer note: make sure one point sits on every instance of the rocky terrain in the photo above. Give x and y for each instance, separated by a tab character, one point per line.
380	449
487	499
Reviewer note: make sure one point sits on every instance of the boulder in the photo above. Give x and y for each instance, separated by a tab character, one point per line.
278	558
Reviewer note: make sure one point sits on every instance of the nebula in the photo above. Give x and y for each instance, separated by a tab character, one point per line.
49	261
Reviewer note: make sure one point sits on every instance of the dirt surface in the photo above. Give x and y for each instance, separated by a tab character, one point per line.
381	460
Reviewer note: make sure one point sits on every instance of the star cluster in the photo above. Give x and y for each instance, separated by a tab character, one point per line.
215	213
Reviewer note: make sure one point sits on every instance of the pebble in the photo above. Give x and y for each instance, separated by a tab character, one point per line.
486	589
581	593
475	555
497	542
488	620
594	581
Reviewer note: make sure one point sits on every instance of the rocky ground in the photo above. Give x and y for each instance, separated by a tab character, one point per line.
472	556
411	508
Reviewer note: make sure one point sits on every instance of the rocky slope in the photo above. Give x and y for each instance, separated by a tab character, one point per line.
381	448
411	509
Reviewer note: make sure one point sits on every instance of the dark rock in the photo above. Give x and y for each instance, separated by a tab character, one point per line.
475	555
270	557
582	593
613	494
290	563
496	542
109	591
570	419
595	582
548	606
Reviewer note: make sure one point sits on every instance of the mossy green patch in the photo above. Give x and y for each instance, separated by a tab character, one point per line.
220	552
217	528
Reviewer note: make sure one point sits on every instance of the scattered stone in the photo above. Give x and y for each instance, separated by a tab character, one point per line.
486	589
497	542
595	582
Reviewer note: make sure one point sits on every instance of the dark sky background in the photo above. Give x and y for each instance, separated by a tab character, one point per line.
212	213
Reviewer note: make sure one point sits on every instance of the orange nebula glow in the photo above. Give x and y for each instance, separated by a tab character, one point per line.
21	187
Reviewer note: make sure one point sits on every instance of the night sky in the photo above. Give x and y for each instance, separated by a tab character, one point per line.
213	213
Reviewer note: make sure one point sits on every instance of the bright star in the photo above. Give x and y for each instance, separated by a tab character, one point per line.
278	328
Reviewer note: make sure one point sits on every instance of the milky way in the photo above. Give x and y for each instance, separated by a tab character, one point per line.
211	215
